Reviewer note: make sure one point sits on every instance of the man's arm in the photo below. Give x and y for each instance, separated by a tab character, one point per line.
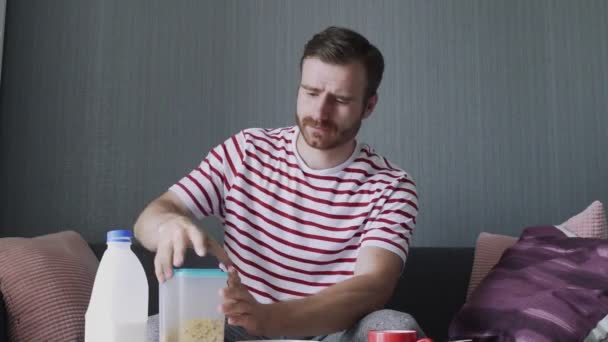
165	226
340	306
336	308
166	207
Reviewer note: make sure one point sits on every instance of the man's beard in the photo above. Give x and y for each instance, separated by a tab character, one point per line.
332	137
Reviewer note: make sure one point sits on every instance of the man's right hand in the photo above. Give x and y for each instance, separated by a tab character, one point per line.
177	234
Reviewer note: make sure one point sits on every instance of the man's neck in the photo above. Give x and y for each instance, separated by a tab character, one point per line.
324	159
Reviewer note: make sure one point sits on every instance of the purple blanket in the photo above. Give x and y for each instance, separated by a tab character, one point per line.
547	287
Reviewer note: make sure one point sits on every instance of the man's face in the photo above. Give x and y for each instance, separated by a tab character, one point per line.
331	103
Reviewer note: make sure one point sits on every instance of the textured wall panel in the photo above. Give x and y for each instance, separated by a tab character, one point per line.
499	109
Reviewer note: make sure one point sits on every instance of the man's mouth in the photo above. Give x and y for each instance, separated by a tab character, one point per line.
321	126
320	130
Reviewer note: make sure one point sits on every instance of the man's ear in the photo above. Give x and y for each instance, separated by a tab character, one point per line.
370	106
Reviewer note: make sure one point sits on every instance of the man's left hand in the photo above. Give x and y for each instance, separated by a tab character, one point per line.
241	308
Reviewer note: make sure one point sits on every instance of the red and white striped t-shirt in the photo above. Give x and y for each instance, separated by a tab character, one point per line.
292	231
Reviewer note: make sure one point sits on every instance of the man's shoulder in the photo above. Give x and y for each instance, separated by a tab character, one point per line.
378	166
270	132
273	138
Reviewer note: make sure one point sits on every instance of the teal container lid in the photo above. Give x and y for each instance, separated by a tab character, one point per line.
200	272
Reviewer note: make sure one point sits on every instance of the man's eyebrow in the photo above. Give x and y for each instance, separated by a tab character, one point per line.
307	87
313	89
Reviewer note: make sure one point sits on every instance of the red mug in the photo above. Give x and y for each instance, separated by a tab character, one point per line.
394	336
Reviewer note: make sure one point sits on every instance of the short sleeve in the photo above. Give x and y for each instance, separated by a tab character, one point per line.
392	222
203	189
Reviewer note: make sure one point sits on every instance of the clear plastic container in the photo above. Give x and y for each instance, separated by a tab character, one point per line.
188	306
118	307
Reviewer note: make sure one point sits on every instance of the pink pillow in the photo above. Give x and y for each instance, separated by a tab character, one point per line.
46	283
590	223
488	250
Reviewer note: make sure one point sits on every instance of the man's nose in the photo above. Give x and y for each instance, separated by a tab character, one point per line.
322	108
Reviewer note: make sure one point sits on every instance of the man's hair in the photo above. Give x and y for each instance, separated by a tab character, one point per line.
338	45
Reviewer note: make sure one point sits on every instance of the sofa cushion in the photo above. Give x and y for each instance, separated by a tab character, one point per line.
547	287
488	250
46	282
589	223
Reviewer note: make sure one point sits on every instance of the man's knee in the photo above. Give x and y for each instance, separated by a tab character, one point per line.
377	320
389	320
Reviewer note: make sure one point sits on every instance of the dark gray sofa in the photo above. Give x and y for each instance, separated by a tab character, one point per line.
432	287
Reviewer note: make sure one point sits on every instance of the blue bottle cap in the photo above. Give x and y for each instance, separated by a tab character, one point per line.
119	235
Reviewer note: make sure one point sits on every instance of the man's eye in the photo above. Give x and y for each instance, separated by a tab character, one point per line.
311	94
342	101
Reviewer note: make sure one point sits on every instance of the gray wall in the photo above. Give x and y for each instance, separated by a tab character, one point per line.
499	109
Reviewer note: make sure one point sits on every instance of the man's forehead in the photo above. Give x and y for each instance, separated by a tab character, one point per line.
338	78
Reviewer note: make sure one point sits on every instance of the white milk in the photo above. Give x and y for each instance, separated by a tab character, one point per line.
118	309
